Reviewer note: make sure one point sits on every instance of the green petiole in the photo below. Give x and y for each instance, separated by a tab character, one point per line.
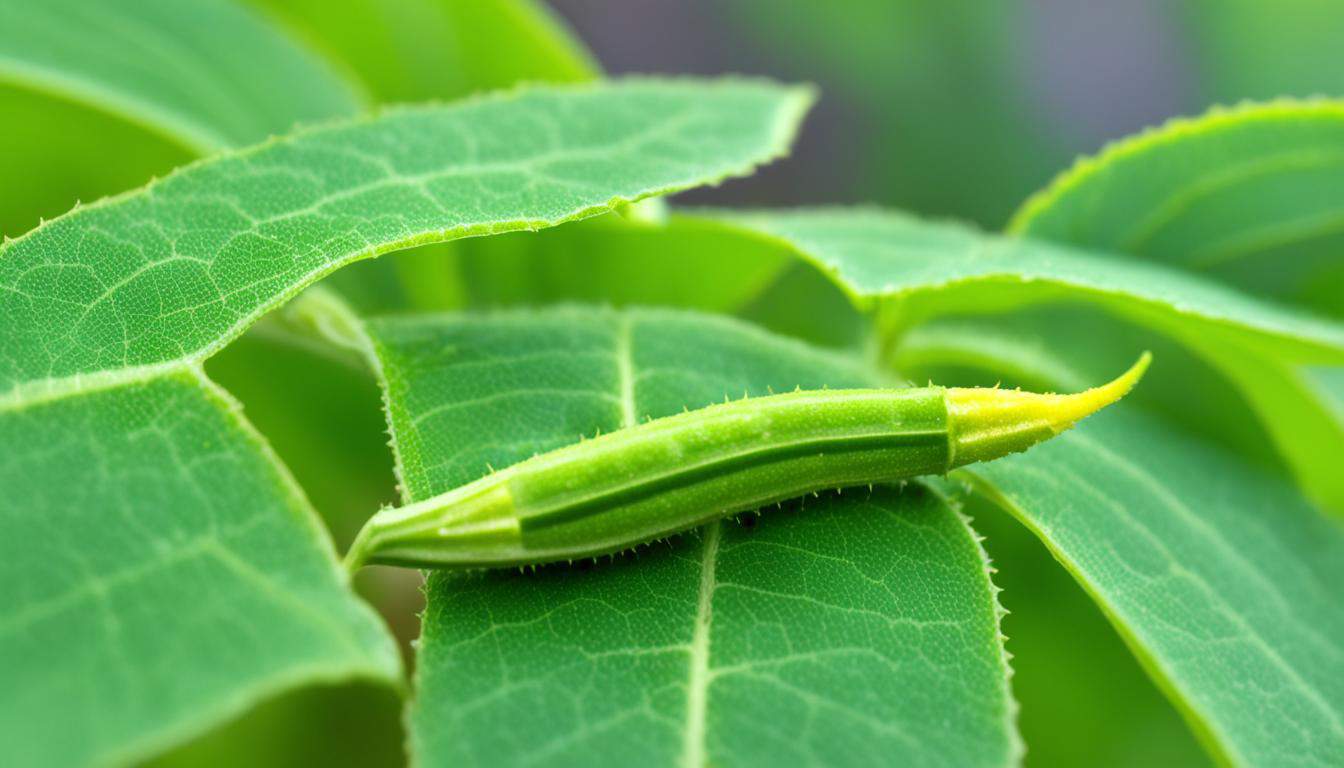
672	474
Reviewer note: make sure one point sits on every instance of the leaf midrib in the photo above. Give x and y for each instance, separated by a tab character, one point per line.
699	679
697	659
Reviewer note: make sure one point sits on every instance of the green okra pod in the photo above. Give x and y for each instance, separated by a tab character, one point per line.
672	474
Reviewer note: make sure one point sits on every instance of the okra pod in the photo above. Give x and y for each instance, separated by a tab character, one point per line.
671	474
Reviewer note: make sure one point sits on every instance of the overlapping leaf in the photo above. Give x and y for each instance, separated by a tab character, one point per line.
1250	196
166	273
1084	699
1212	570
1157	526
935	268
918	270
930	270
858	629
142	503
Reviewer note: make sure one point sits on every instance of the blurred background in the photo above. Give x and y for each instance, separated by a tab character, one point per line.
962	108
947	108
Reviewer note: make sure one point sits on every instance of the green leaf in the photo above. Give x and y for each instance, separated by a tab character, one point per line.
140	502
99	97
170	272
855	629
1179	195
1146	505
72	146
934	268
427	50
77	50
1219	577
161	573
682	262
688	263
414	50
1329	384
915	270
1083	697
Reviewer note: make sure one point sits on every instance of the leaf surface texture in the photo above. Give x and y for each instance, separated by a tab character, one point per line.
141	492
857	628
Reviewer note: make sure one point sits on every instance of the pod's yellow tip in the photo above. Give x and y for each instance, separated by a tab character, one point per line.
989	423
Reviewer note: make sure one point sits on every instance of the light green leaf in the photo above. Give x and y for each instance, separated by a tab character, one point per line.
140	497
1220	578
859	629
915	270
1213	571
1180	195
414	50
